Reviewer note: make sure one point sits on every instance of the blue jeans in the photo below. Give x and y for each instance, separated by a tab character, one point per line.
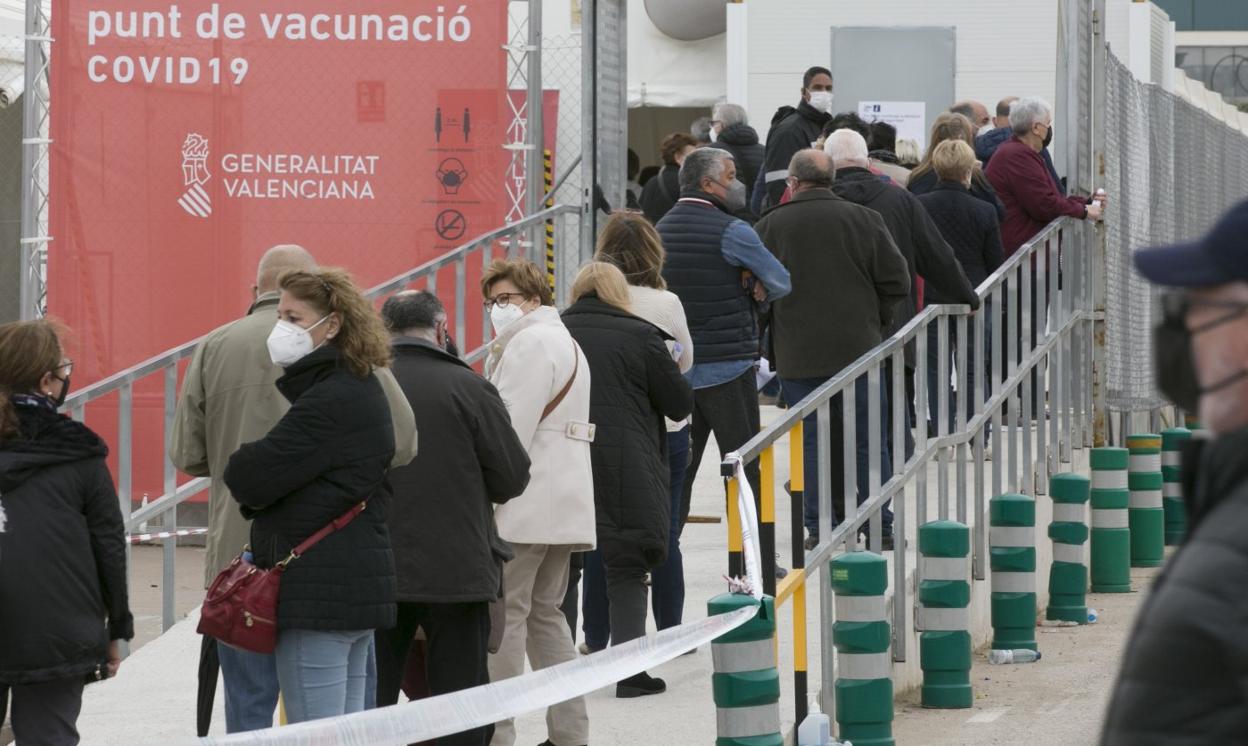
667	582
323	673
796	389
250	688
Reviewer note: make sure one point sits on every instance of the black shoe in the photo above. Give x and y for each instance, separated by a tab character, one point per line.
810	543
639	685
547	742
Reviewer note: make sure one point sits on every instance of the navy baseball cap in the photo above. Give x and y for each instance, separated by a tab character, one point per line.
1218	257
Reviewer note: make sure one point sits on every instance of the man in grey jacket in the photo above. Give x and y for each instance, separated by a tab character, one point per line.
229	397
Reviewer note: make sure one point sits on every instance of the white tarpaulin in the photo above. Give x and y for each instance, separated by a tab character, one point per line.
665	72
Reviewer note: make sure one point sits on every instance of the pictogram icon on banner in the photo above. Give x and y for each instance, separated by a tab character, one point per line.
452	175
451	225
196	200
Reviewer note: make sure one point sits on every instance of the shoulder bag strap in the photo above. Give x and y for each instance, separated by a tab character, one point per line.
554	403
337	524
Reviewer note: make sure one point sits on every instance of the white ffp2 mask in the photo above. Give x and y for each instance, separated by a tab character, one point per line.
503	316
289	343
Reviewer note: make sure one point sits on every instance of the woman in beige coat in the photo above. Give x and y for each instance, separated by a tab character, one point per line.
543	379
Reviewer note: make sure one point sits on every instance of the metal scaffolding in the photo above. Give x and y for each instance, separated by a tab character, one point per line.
35	147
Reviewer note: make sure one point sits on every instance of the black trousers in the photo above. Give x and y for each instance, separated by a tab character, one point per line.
44	714
730	411
457	635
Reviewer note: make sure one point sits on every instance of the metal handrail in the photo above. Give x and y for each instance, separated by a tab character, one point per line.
1008	292
166	365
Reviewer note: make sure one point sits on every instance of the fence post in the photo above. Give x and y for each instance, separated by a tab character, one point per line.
1146	517
746	682
1111	536
861	635
1068	579
944	595
1172	487
1012	540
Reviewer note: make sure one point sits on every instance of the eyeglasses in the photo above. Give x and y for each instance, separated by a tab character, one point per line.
67	366
503	299
1174	308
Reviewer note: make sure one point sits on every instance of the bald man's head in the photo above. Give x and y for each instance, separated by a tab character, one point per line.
279	260
812	169
1002	119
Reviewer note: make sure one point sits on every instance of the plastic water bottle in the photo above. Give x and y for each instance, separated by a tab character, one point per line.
815	730
1005	657
1092	615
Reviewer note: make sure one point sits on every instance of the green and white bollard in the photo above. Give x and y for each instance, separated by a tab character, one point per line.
1172	484
1111	532
1068	579
861	635
746	682
1146	517
1012	546
944	595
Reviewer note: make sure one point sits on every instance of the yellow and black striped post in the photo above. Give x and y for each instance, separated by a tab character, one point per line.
797	530
548	173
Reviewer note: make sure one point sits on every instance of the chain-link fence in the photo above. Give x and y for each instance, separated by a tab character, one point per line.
562	73
1171	170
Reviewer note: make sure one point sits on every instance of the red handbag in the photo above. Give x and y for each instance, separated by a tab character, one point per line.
241	606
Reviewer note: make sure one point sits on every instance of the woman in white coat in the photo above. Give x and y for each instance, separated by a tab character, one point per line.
543	379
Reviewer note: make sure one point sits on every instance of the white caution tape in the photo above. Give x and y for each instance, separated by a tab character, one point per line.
1110	518
435	717
1149	499
137	538
1171	458
944	568
1072	553
749	528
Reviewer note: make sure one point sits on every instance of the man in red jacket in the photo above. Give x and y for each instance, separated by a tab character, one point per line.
1018	174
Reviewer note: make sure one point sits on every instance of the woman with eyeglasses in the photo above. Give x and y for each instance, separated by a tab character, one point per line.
63	594
324	459
543	378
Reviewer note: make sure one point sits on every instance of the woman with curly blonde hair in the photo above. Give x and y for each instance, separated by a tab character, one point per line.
326	456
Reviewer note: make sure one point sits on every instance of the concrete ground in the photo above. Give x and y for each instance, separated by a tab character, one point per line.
1062	696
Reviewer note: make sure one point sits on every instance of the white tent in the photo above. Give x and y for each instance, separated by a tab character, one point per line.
666	72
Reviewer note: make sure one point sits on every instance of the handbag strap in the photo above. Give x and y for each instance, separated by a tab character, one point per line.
335	525
554	403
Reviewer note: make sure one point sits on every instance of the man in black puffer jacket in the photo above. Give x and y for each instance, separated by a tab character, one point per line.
731	131
795	129
1185	666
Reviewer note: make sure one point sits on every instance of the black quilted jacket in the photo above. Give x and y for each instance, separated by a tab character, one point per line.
330	451
634	384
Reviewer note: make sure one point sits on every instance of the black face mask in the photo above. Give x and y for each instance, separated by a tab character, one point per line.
65	391
1048	138
1174	363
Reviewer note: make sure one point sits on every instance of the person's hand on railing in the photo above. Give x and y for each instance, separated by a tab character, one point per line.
1095	211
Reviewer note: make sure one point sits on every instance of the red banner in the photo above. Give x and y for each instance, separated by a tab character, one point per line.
190	137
